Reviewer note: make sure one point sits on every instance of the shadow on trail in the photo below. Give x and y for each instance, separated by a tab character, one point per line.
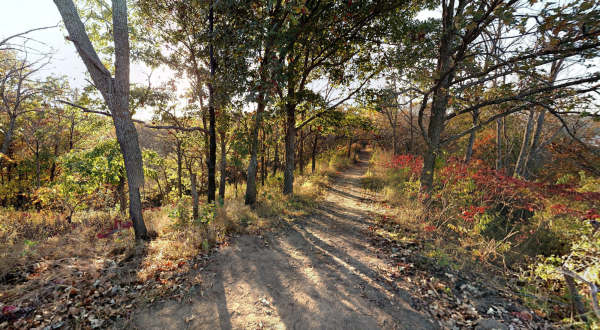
319	275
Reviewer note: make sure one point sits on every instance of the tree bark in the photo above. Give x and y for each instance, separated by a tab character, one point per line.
195	198
179	168
115	92
37	163
314	151
412	143
469	152
440	99
250	197
8	136
276	157
535	144
301	152
212	153
524	147
350	147
290	139
263	170
122	198
223	182
499	143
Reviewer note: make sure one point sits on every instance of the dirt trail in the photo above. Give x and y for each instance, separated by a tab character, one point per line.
317	276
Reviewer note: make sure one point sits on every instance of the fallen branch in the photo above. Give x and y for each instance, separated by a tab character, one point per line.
592	286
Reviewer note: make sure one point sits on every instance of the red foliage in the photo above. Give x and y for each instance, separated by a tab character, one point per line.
469	215
430	228
414	163
495	187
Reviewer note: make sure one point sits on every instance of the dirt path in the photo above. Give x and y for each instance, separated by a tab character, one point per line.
318	276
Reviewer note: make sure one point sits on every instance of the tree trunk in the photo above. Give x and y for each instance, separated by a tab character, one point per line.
499	143
469	152
122	198
412	143
250	197
290	140
37	163
301	152
223	166
212	153
441	95
394	140
437	119
524	147
314	151
262	160
276	157
8	136
195	198
179	167
53	166
350	147
115	93
535	144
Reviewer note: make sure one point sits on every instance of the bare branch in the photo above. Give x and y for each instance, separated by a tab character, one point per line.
178	128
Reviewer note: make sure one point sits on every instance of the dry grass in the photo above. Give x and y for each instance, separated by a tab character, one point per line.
41	249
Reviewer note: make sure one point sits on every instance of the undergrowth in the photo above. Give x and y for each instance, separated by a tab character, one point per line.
481	220
33	245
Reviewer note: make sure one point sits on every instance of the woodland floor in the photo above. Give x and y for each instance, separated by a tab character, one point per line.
323	273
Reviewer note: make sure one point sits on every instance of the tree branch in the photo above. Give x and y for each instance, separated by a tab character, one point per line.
179	128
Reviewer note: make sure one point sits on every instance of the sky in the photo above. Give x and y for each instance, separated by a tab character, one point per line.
42	13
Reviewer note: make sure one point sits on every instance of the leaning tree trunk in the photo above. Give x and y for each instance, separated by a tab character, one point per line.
115	92
524	147
535	144
290	140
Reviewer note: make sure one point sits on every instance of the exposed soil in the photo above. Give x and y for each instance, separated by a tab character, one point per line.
321	274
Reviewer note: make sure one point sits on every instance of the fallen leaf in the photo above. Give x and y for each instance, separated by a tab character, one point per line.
188	319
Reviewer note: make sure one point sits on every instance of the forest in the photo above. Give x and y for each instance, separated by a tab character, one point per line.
303	164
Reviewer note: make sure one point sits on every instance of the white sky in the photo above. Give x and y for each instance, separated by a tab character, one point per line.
22	15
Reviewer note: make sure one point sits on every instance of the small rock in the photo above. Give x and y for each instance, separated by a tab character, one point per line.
490	324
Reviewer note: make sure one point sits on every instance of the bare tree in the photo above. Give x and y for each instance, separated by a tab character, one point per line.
17	87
